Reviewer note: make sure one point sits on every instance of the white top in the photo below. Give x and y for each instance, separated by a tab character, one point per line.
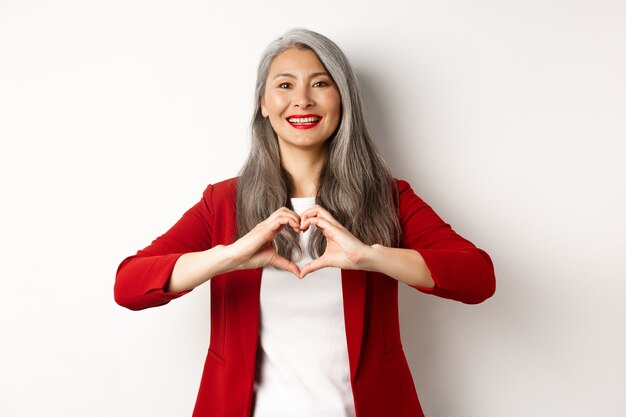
302	357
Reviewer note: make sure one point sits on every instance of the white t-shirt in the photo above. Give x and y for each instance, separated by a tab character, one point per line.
302	357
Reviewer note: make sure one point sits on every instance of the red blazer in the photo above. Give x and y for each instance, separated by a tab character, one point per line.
381	381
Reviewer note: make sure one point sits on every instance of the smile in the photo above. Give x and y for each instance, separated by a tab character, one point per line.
304	121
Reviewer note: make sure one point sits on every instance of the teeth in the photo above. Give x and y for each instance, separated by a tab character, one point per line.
303	119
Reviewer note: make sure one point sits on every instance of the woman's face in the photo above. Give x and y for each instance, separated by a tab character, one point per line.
301	100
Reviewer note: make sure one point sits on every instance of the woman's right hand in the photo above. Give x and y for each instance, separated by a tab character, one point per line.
255	249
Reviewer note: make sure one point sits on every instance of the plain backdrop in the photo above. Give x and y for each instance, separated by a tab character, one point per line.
507	117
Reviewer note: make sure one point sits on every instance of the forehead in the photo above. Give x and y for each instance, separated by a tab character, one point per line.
295	61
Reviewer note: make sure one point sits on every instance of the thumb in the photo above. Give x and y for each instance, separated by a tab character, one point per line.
314	265
278	261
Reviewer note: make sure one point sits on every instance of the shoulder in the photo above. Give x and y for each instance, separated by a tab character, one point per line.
410	205
401	184
221	193
223	190
405	191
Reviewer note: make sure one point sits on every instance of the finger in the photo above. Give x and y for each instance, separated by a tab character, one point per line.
284	211
318	211
277	223
285	264
329	230
265	232
281	217
314	265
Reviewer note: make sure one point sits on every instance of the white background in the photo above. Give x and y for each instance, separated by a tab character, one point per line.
508	117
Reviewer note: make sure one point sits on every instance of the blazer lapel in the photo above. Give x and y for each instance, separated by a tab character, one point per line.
246	287
353	285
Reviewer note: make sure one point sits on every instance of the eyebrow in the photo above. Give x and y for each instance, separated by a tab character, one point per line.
286	74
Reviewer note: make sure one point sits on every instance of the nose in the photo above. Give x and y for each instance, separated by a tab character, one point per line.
302	97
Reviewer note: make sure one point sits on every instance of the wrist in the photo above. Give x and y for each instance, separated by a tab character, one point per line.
226	258
372	257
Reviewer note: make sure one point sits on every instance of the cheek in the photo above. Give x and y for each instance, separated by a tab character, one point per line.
334	100
335	105
275	103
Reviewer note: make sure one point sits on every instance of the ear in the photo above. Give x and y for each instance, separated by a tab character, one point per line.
263	109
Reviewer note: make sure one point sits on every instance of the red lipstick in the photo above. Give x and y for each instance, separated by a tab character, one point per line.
304	121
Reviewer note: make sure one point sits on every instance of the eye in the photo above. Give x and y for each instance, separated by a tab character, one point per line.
320	84
284	85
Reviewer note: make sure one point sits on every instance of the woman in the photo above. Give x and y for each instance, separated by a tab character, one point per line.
316	214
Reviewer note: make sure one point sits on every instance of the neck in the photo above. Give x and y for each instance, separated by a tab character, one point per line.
304	168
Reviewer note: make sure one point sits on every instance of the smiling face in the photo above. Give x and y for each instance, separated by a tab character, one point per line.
301	100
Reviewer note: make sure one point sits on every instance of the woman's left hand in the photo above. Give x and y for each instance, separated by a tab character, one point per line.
343	249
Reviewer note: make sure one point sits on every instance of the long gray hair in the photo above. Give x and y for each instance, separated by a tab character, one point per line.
355	184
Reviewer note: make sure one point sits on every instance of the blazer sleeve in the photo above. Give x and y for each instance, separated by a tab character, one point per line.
461	271
140	279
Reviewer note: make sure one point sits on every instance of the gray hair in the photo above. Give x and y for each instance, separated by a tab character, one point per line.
355	184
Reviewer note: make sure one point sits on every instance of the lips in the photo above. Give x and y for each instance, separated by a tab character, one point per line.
304	121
